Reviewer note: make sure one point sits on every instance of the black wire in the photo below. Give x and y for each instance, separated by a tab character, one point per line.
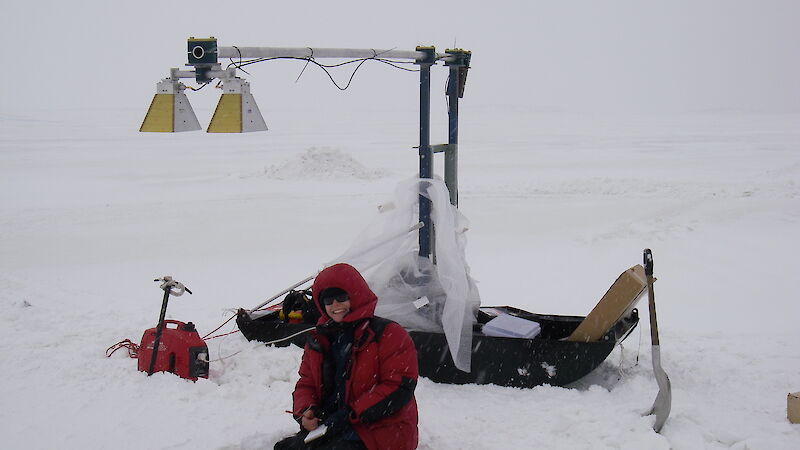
239	66
258	60
374	56
201	86
394	64
311	57
352	75
390	62
324	67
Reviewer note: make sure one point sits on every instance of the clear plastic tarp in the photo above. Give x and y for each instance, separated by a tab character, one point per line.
420	294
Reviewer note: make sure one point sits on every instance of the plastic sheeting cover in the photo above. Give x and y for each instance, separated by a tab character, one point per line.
389	260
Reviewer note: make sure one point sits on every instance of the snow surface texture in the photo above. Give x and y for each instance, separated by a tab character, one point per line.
324	163
559	205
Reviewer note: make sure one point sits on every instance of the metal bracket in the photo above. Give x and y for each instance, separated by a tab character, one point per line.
429	57
459	58
215	71
437	148
441	148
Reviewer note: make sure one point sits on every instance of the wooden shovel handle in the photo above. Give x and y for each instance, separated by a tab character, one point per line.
648	270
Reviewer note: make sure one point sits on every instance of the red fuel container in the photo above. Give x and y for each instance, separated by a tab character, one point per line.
180	351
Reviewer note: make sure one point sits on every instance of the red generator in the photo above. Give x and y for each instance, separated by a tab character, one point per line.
180	351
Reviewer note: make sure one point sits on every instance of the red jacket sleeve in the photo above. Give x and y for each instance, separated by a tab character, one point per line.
307	390
396	379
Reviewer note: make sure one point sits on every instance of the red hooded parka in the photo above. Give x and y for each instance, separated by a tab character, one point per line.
383	361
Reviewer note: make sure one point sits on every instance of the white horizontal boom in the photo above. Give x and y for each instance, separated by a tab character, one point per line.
308	52
222	74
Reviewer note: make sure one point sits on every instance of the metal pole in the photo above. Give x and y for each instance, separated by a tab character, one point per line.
425	152
451	154
159	331
307	52
459	64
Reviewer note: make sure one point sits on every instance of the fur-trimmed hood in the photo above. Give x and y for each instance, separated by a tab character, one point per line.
348	279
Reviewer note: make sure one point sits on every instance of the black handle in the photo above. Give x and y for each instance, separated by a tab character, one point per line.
159	330
648	262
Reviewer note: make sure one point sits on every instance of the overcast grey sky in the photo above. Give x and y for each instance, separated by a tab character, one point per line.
629	55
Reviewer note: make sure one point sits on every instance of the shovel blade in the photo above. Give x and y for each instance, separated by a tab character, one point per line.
663	402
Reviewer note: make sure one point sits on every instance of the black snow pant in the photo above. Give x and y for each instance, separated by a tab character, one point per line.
295	442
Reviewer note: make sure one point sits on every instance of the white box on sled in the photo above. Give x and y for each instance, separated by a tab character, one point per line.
506	325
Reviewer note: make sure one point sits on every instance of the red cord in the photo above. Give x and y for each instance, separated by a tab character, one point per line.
220	335
133	348
215	329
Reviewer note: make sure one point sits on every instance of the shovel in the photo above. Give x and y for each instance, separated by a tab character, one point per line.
663	402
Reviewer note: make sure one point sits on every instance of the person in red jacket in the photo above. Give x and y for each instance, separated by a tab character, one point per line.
358	372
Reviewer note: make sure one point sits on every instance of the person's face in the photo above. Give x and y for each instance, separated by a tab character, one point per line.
338	309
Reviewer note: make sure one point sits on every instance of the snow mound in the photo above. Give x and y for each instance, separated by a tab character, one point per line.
325	163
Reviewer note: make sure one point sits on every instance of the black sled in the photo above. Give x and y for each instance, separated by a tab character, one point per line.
563	352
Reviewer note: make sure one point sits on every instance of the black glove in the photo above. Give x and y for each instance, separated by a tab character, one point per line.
338	422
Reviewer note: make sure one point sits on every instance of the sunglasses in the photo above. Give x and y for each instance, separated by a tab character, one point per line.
335	298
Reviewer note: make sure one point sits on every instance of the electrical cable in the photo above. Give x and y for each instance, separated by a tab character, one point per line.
310	59
132	347
201	86
215	329
220	335
222	358
239	66
289	337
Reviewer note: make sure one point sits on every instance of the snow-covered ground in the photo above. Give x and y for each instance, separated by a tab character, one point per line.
91	211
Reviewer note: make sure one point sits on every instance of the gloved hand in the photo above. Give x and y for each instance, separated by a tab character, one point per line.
309	421
338	422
